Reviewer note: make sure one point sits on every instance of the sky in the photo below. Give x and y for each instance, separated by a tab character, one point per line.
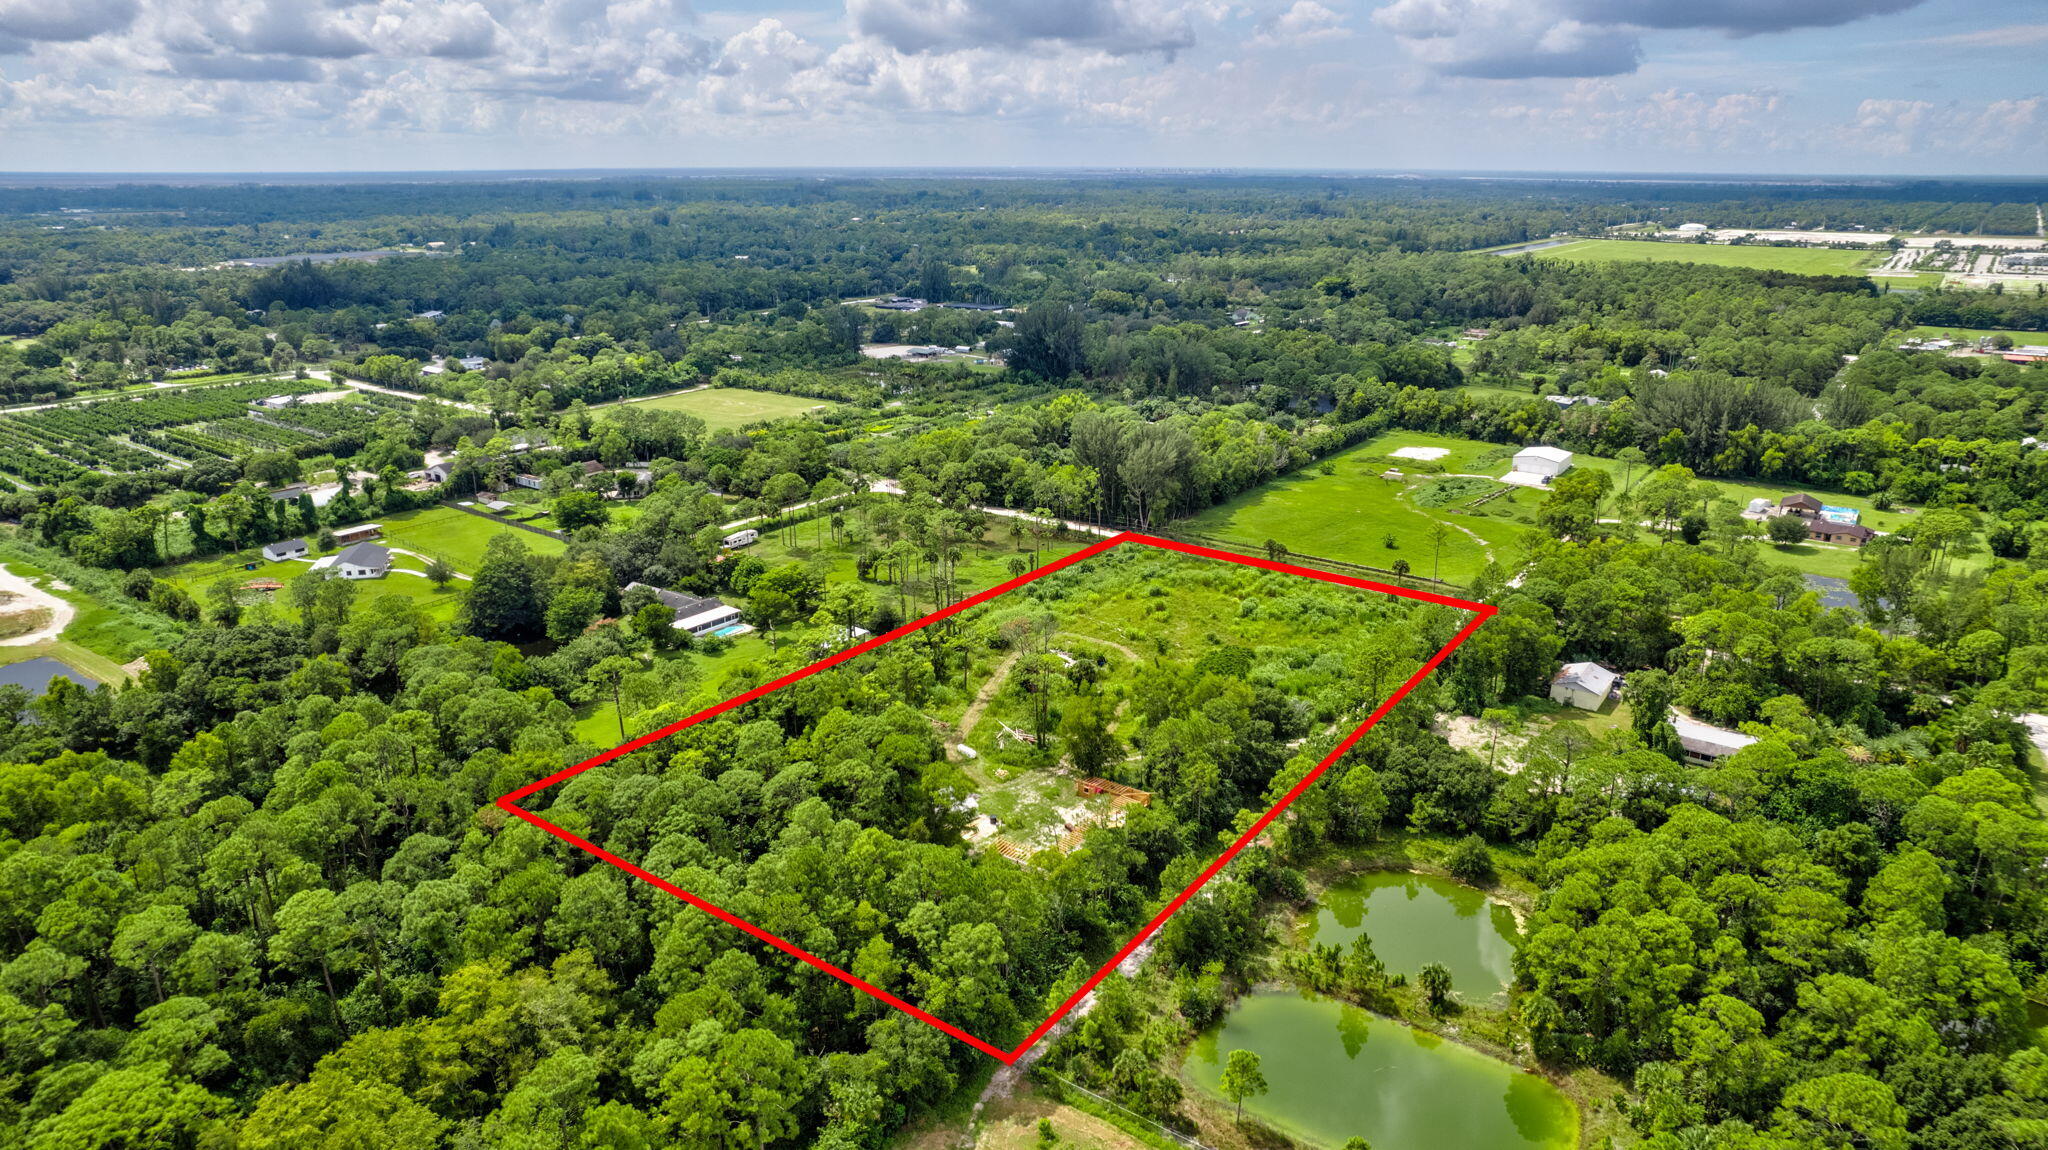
1734	86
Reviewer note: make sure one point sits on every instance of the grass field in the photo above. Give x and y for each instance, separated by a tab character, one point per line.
724	408
1914	282
197	577
458	536
1806	261
1353	514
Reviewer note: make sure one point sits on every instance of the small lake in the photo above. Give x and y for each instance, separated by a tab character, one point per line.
1416	919
36	674
1336	1071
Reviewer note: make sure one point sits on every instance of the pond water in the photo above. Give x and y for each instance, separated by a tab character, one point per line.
1415	919
36	673
1335	1071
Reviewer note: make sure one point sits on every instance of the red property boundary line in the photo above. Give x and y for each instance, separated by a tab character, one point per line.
510	802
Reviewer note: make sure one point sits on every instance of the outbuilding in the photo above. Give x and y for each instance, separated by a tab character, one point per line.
285	549
1703	743
358	533
1586	686
1537	466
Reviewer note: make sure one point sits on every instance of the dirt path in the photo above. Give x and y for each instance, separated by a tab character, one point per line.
1474	536
1133	656
29	597
987	694
422	558
1004	1082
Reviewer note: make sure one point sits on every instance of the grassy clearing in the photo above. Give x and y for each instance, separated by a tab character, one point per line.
1915	282
458	536
1971	334
1355	516
724	408
1806	261
198	577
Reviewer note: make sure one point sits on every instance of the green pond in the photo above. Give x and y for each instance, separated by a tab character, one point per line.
1416	919
1335	1071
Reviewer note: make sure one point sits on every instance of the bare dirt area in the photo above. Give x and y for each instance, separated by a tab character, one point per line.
1469	734
44	615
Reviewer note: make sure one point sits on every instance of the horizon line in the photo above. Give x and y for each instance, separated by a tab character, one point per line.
23	177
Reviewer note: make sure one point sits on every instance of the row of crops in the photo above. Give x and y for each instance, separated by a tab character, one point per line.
136	434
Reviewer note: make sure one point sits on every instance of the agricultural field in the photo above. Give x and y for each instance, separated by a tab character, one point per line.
725	408
171	427
1805	261
1355	516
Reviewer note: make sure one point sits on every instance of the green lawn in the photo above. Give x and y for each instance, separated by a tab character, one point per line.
724	408
981	565
1351	514
1915	282
458	536
1807	261
197	577
1742	492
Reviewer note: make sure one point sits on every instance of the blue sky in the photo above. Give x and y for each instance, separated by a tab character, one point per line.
1795	86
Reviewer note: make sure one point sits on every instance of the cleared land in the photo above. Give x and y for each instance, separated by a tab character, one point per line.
725	408
1355	516
1806	261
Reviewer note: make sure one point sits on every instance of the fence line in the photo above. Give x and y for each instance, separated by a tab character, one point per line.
1167	1131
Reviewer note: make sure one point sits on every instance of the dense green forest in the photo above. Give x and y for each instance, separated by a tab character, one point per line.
257	895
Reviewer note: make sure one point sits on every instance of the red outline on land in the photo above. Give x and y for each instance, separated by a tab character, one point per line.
510	802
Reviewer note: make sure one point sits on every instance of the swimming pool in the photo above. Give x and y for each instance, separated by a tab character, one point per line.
731	630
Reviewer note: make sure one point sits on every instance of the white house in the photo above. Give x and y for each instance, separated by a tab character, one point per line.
1582	685
528	479
285	549
363	561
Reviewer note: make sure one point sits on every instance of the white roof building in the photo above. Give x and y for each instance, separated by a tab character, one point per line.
1704	742
1537	466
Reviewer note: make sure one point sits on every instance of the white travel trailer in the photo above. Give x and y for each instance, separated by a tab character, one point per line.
742	538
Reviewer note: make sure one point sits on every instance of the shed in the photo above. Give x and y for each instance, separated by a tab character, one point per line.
358	533
1704	743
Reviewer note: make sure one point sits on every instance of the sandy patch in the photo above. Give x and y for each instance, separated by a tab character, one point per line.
33	598
1425	453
